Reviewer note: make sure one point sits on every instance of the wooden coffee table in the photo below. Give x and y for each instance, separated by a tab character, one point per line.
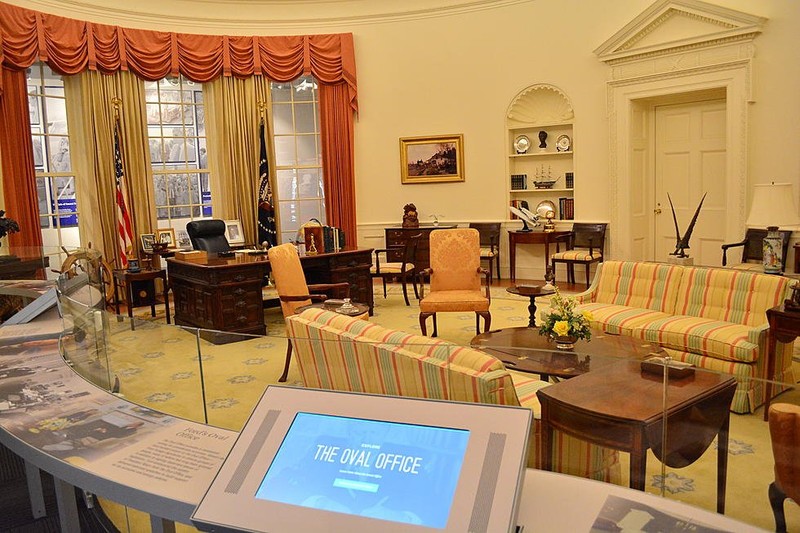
620	407
523	349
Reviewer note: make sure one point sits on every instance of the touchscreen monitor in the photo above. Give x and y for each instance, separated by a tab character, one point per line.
313	460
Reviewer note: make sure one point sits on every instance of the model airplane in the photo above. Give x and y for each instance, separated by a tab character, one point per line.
526	217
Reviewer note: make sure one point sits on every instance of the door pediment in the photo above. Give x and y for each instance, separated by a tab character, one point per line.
672	26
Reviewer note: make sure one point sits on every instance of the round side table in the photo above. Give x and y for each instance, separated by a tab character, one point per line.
532	292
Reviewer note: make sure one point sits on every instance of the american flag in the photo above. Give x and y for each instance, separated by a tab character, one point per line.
266	208
124	231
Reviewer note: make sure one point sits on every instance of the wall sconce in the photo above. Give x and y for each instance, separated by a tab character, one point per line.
773	206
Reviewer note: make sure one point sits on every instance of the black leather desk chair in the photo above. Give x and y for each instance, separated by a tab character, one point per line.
208	235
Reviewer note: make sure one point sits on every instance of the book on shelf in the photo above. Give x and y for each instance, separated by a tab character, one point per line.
569	179
519	182
518	204
566	208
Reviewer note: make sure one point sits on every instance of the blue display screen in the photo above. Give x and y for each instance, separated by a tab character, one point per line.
384	470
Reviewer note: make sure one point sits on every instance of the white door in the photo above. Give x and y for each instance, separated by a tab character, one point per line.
690	158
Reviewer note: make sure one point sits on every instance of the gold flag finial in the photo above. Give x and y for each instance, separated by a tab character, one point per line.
117	103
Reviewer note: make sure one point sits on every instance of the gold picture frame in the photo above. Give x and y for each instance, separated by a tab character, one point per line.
166	236
148	239
432	159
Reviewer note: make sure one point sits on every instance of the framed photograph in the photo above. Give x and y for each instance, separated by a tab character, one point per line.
435	159
166	236
233	232
183	238
147	242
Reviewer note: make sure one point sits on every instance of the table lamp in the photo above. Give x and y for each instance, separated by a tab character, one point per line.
773	206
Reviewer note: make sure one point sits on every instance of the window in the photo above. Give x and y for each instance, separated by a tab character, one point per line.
177	135
55	181
299	193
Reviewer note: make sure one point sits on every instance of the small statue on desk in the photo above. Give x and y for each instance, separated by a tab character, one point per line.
410	216
312	247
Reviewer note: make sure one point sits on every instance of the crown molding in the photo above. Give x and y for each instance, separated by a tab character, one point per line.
244	16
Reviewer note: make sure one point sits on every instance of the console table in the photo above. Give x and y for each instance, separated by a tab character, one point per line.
531	237
140	289
224	293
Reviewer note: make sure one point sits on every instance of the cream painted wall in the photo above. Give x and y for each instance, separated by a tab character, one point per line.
457	73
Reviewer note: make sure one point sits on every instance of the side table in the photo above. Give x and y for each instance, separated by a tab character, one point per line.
784	326
129	279
531	291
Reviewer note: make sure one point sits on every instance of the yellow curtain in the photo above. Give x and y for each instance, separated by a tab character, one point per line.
90	114
232	119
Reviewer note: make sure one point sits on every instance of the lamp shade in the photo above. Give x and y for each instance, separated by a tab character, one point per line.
773	205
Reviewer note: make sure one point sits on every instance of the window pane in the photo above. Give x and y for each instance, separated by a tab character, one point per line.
282	119
281	92
310	185
304	117
153	113
307	150
285	154
308	209
304	89
59	154
286	185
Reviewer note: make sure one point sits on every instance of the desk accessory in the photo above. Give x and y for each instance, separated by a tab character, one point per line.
133	265
675	369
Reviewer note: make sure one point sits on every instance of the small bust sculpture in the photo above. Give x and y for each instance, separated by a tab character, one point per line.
410	216
542	139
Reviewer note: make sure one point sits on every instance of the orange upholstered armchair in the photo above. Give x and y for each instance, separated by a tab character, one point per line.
784	429
290	282
455	275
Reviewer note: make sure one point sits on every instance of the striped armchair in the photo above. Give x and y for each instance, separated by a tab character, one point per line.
337	352
714	318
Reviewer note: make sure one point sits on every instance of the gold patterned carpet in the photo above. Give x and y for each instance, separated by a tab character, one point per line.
158	366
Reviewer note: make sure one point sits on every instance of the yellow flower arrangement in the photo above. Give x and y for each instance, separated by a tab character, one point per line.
564	321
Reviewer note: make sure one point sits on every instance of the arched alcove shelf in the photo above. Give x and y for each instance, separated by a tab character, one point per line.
539	105
539	130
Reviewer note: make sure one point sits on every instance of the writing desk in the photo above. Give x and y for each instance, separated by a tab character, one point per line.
224	293
531	237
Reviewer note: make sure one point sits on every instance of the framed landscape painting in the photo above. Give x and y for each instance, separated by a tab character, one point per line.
435	159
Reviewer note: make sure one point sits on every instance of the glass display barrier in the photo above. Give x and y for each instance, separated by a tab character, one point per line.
603	413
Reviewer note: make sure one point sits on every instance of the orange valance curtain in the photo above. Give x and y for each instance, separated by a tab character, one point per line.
19	181
71	46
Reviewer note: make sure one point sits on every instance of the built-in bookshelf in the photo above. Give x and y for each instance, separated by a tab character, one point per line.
540	144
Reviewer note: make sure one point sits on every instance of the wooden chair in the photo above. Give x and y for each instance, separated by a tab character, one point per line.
290	282
753	250
584	246
455	278
784	430
404	269
490	244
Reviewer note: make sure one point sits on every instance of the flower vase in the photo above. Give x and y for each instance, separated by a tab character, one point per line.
565	342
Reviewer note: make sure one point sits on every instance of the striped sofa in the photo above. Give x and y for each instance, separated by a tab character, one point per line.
337	352
714	318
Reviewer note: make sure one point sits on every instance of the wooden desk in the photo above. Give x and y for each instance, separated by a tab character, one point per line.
784	326
530	237
144	280
23	267
224	293
599	407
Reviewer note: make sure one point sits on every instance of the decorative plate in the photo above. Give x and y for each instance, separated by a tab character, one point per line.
563	143
522	144
545	206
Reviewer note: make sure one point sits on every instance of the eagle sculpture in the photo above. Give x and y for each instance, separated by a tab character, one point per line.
682	243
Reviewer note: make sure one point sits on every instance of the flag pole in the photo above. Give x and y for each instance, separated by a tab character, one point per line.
124	225
265	222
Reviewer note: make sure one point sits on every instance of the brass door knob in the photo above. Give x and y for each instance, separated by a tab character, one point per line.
657	210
